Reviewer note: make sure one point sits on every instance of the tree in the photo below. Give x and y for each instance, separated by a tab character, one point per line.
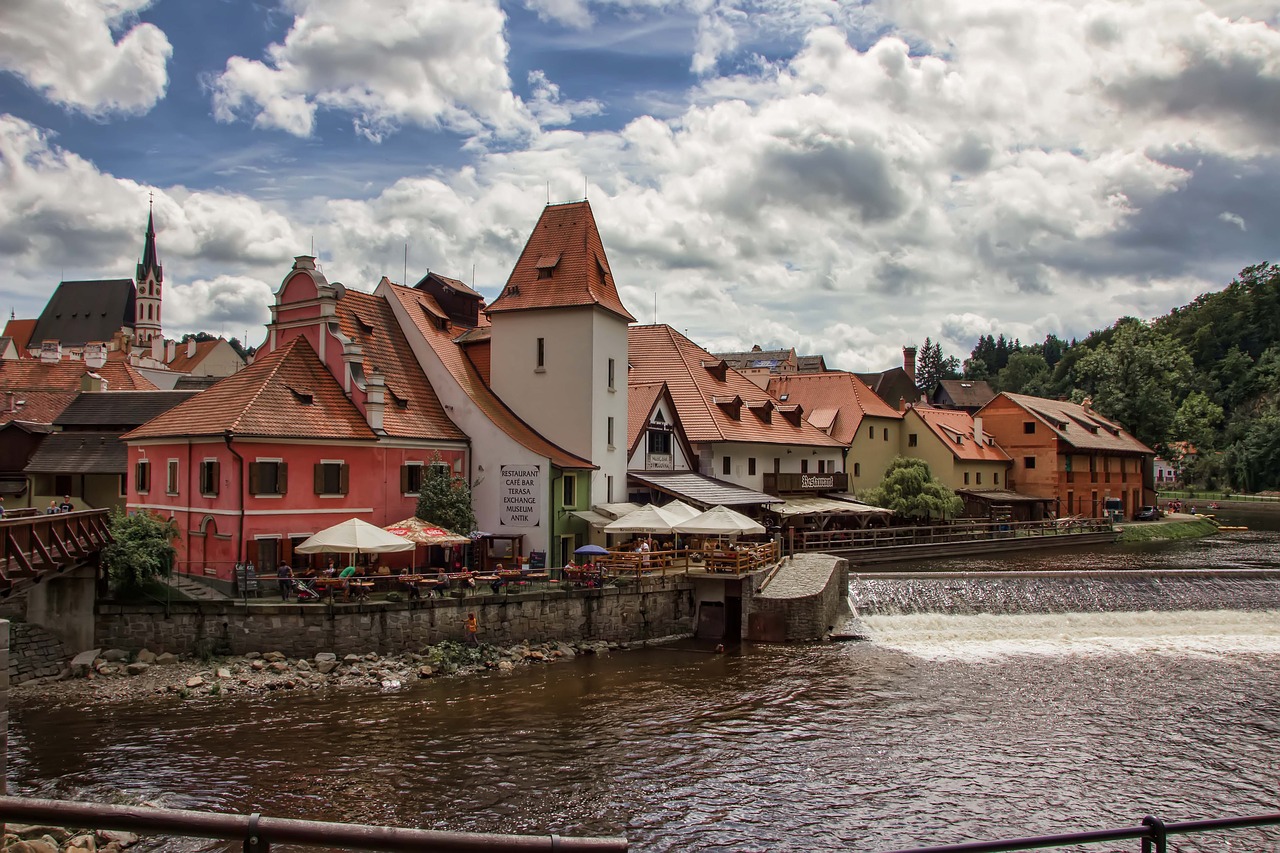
445	500
1026	373
141	548
1197	422
910	490
932	367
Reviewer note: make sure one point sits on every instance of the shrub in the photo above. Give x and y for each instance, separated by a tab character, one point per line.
141	549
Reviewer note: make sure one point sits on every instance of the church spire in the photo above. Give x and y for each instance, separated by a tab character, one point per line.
148	288
149	259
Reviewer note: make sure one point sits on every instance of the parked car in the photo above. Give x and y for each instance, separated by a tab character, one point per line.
1147	513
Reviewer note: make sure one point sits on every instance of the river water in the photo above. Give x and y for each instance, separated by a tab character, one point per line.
1020	716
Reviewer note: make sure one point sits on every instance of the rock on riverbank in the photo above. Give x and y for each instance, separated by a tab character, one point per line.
115	674
51	839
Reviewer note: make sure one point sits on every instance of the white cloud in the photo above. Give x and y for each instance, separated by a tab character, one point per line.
551	109
1233	219
93	57
438	64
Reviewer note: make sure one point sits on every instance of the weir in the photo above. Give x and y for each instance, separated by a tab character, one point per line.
1065	592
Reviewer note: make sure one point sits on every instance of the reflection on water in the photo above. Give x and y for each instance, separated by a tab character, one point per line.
949	728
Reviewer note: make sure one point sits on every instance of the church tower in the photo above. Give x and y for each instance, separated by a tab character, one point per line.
150	278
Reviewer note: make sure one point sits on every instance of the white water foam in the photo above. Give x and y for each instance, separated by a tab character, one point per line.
1208	633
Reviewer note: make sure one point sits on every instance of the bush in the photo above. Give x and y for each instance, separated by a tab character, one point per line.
141	549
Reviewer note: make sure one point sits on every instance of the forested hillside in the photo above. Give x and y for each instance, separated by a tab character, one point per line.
1207	374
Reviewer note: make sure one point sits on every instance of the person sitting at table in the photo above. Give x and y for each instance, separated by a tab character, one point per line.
497	584
410	585
439	586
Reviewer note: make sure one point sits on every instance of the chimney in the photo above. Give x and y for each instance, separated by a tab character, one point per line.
157	348
95	355
902	404
977	431
170	351
191	348
375	403
909	362
92	382
1087	404
12	404
50	352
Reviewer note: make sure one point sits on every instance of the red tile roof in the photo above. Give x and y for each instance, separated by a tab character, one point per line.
714	402
955	429
20	331
1076	425
287	393
640	403
565	243
412	408
40	407
183	363
835	402
35	375
422	310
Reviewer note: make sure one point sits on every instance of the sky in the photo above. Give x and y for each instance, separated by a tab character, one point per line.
845	178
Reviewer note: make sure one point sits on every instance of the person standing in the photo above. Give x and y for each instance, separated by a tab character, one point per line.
472	630
66	505
52	508
285	576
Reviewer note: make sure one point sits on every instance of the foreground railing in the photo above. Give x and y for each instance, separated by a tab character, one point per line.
258	833
943	534
1154	835
33	545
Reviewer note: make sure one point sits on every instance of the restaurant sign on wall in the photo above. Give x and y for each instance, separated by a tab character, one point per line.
521	494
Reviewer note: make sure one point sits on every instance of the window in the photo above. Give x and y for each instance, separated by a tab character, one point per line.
269	477
726	466
411	478
142	475
751	466
611	362
609	488
569	491
857	469
659	441
62	484
441	469
124	485
911	439
886	433
209	478
871	432
977	478
966	478
1028	462
804	466
777	465
542	353
822	466
610	431
171	480
330	477
1029	427
995	479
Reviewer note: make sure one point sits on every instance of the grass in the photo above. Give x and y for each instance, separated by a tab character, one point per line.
1140	532
1212	495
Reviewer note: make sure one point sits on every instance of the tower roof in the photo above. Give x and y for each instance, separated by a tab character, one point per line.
150	261
563	265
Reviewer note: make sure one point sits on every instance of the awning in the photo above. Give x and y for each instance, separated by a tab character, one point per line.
700	490
592	517
13	486
80	453
601	514
1001	496
823	505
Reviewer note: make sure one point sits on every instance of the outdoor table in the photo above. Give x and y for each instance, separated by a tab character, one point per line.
329	584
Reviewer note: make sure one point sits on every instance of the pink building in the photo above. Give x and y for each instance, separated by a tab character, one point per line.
263	459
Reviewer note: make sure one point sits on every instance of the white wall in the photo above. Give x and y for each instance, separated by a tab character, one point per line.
789	461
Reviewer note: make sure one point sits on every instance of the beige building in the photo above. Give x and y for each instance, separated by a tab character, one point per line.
959	452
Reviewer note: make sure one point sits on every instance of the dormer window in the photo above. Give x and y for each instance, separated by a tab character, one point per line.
717	368
306	398
401	402
365	325
546	264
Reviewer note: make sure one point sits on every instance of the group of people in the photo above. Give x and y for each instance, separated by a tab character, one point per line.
54	507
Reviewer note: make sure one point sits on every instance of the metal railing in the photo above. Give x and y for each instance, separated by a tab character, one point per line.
944	534
1153	833
258	832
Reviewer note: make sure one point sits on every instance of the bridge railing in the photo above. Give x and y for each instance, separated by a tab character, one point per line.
943	534
258	832
36	545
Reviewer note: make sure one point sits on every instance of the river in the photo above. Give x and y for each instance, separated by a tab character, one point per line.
956	723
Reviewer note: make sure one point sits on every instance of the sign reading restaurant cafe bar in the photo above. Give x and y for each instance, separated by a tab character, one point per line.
789	484
520	490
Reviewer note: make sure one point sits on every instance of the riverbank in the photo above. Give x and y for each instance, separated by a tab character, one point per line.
1183	527
117	676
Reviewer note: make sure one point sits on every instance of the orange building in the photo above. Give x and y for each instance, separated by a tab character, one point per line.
1070	454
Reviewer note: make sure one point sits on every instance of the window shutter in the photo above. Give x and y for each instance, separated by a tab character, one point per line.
284	478
404	479
255	478
216	477
317	474
342	478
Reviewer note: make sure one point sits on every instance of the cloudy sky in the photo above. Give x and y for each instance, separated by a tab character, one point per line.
842	177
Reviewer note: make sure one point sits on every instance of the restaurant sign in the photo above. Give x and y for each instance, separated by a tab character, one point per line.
781	484
520	490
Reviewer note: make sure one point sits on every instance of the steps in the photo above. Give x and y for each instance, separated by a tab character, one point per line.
193	588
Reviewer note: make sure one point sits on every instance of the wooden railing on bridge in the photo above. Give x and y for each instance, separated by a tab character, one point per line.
733	559
944	534
33	546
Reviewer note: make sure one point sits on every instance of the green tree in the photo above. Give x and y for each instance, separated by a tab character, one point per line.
1253	461
932	366
910	489
141	548
445	500
1026	373
1197	422
1133	378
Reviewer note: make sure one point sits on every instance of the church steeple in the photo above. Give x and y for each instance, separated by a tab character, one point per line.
148	282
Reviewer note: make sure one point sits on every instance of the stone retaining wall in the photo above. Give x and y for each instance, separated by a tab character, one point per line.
804	600
33	653
655	607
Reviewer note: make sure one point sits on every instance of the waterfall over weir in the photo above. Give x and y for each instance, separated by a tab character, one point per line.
1094	592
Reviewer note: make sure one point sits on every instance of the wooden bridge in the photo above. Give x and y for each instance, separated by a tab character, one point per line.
33	547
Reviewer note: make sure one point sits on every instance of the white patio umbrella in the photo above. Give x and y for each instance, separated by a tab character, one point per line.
720	521
354	536
681	509
647	519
